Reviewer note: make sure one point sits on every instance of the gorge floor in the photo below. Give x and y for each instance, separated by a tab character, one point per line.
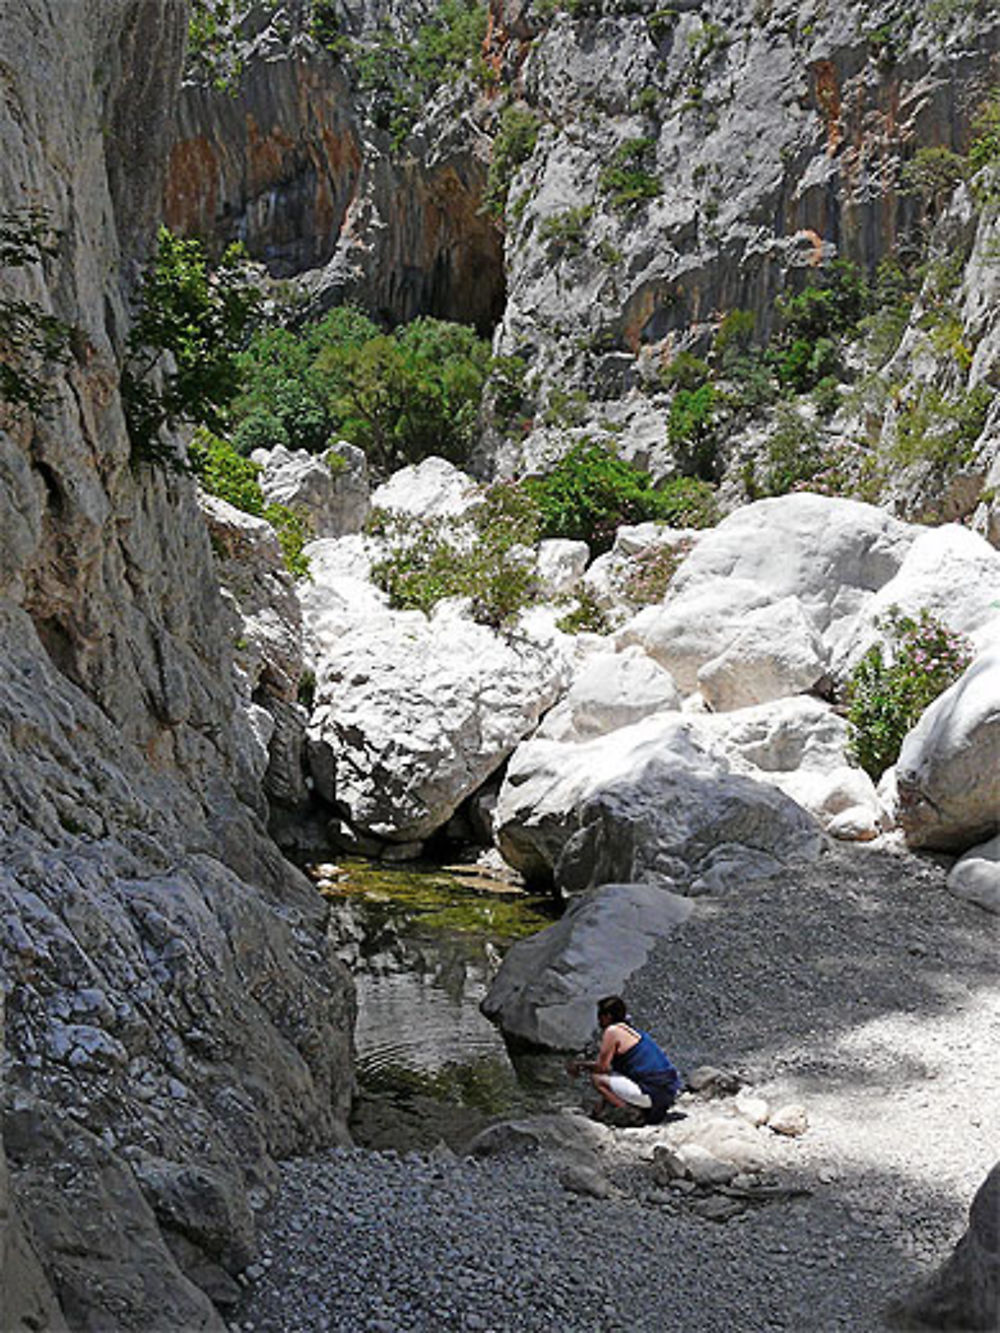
858	988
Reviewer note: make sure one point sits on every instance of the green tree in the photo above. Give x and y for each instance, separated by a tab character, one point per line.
181	362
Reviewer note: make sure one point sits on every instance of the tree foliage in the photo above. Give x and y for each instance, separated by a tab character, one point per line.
182	357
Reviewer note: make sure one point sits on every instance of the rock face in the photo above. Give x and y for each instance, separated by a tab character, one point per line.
948	772
287	163
649	803
965	1294
547	987
170	995
769	146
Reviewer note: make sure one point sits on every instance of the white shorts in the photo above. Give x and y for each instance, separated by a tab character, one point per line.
625	1090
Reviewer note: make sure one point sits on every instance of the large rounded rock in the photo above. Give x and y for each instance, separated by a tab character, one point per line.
432	488
800	746
831	554
976	876
412	714
547	987
948	772
776	651
645	803
949	571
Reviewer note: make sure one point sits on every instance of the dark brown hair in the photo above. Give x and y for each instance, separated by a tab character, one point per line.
614	1007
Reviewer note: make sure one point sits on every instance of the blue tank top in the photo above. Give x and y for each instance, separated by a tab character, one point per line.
645	1064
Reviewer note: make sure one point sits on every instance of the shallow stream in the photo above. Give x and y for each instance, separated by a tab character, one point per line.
423	944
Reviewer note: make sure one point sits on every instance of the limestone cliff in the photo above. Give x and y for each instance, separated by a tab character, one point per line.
687	161
173	1018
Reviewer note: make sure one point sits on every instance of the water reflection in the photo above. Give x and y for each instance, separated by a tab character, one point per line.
423	946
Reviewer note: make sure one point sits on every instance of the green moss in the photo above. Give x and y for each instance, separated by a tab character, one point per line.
435	900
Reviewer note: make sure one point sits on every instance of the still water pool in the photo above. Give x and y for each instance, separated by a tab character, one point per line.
423	944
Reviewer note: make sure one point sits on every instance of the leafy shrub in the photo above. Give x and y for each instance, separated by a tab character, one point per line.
686	371
509	390
793	455
514	143
29	337
202	319
896	681
591	492
941	431
628	179
651	573
563	233
485	555
933	174
211	48
399	396
586	617
984	150
403	396
402	76
686	502
260	430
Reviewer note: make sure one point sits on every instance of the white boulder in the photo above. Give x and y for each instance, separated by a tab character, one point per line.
561	564
433	488
800	746
645	803
684	633
412	714
949	571
948	771
330	490
338	596
976	875
548	985
610	690
776	651
831	554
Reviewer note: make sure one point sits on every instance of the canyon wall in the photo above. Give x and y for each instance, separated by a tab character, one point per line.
174	1018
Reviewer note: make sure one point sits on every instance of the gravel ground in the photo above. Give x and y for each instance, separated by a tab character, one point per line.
858	988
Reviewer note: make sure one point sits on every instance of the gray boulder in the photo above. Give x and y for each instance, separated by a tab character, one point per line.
976	875
964	1295
548	985
642	804
329	490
